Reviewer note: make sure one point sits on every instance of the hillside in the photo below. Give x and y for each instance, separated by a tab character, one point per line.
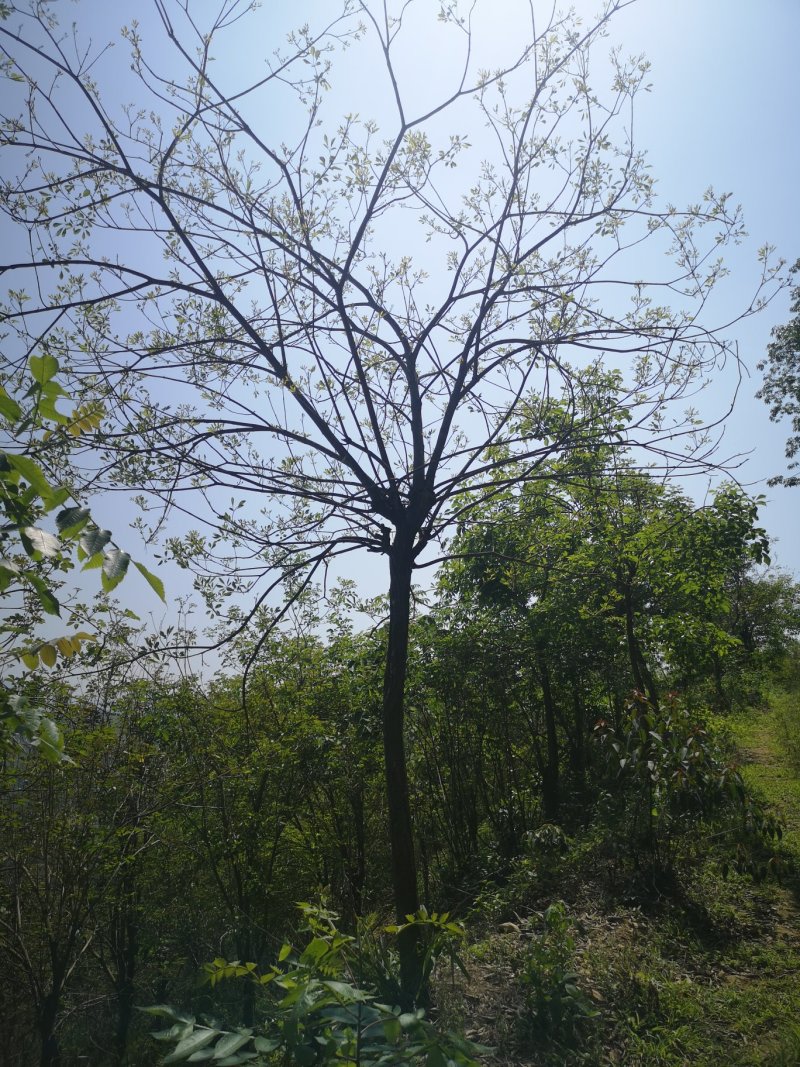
703	972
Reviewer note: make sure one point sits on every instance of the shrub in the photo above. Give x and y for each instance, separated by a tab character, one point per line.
320	1011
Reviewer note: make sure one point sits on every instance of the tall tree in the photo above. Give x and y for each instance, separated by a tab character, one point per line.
335	318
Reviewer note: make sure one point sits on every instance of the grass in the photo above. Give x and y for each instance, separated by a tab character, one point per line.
706	974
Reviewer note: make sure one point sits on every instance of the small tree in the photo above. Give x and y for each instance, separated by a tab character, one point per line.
340	321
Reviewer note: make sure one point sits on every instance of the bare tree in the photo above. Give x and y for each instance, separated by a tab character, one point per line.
351	323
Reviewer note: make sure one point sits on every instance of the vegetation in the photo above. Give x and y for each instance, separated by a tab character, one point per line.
781	388
524	808
33	559
599	869
273	357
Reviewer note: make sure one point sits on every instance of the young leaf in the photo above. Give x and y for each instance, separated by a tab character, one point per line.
48	655
43	368
65	647
152	579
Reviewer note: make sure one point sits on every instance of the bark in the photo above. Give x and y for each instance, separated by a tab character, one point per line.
642	677
551	787
48	1014
404	869
125	984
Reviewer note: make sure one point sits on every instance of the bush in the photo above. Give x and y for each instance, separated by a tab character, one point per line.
556	1004
320	1011
669	773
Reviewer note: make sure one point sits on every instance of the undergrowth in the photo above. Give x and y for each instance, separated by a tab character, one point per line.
701	968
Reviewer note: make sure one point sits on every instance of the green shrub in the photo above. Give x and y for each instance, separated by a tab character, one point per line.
669	773
319	1010
555	1002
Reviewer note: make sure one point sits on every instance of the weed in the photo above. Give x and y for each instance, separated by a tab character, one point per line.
556	1004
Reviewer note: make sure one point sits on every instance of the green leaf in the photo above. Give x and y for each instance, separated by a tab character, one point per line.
266	1044
196	1040
229	1044
46	544
50	741
392	1031
152	579
9	408
94	541
166	1011
45	595
71	521
115	566
32	473
48	410
43	368
53	390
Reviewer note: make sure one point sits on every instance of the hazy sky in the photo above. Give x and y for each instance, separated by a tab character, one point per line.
723	111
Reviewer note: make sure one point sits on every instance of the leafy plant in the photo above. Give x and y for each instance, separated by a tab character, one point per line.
670	773
319	1011
556	1004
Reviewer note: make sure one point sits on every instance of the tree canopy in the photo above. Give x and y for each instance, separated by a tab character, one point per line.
337	331
781	388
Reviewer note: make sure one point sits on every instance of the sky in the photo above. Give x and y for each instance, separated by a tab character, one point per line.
722	112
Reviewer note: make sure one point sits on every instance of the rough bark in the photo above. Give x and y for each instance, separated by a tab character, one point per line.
404	868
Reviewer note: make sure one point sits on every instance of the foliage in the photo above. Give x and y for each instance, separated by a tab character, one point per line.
272	358
318	1011
781	388
552	990
32	559
672	776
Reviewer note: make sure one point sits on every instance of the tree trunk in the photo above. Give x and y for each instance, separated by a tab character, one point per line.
642	678
551	786
48	1014
404	870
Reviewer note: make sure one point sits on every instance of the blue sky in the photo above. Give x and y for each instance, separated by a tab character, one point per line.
722	111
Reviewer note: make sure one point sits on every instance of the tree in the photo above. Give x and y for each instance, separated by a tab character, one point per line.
260	318
71	838
34	461
781	388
